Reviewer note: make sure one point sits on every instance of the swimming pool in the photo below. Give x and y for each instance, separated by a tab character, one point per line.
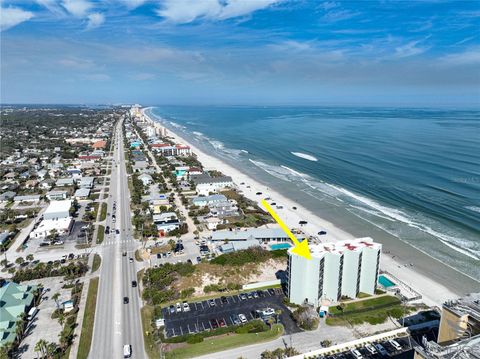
276	246
384	281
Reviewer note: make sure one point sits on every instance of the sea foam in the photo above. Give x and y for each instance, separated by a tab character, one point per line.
305	156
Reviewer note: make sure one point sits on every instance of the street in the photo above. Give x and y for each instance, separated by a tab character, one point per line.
116	323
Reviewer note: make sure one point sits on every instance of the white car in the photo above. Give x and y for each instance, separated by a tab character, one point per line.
179	307
242	318
186	307
371	349
395	344
356	354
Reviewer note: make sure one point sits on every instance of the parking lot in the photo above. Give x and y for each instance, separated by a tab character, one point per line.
204	315
405	352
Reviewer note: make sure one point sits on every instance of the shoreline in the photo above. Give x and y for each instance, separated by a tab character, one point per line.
425	276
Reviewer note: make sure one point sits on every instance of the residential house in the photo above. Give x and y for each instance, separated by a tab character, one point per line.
208	200
27	198
205	184
7	196
56	195
82	193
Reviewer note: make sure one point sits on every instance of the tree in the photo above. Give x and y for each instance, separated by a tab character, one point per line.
55	298
19	260
30	257
41	346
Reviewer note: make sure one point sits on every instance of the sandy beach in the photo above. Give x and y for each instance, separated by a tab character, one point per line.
416	269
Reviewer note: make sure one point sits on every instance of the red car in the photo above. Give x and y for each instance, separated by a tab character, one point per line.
222	323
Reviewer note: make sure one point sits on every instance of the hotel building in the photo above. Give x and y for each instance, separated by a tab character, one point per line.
337	269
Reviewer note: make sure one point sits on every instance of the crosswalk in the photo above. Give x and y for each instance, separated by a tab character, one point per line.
113	241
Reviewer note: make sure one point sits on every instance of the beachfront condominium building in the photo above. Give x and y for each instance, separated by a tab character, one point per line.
460	319
337	269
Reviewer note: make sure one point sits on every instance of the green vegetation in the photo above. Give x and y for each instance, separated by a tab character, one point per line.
100	234
251	255
138	257
158	282
279	353
150	342
372	311
230	341
306	318
97	260
103	212
88	320
72	270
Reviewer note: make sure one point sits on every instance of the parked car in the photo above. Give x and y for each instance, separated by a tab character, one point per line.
235	319
186	307
381	349
222	323
224	299
321	233
117	231
242	318
271	291
214	323
395	344
211	302
243	296
356	354
179	307
249	295
371	349
255	294
172	309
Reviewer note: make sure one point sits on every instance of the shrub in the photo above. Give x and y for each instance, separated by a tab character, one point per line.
193	339
187	293
255	326
238	258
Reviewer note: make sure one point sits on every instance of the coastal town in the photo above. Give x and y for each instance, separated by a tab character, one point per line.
119	238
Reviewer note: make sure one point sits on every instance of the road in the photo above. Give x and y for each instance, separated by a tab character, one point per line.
116	323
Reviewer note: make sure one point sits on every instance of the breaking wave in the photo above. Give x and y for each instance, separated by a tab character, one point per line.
305	156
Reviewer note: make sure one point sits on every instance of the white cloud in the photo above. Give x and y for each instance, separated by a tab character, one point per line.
133	4
12	16
468	57
327	5
52	6
77	8
185	11
95	20
76	63
409	49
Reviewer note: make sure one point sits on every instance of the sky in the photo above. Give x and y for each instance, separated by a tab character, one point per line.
241	52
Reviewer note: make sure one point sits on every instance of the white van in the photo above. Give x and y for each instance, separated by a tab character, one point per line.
32	312
127	351
395	344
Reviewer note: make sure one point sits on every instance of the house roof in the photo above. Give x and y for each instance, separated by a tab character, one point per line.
99	144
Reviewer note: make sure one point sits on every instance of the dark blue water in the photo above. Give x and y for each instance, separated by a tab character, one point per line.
414	173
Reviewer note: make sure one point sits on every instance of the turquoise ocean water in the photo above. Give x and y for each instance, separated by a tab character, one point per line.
413	173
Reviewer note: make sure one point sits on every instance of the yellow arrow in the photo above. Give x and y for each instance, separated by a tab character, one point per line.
301	248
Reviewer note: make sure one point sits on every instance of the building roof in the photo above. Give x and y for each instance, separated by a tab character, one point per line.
15	299
166	216
469	304
27	198
211	198
58	206
205	178
249	234
59	224
82	192
99	144
353	245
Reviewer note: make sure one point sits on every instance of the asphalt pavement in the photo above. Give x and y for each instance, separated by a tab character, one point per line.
117	323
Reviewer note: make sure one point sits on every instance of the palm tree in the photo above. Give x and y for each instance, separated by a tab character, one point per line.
19	260
30	257
41	347
55	298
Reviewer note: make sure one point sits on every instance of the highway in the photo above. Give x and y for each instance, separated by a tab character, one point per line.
117	323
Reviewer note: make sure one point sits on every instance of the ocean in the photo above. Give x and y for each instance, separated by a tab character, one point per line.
411	173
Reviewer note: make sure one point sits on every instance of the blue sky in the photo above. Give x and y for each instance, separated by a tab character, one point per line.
386	52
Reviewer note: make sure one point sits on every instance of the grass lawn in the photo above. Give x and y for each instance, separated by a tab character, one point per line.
224	342
150	346
100	234
103	212
97	260
88	320
373	311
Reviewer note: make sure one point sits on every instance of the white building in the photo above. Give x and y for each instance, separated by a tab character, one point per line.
56	195
206	184
337	269
58	209
62	226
